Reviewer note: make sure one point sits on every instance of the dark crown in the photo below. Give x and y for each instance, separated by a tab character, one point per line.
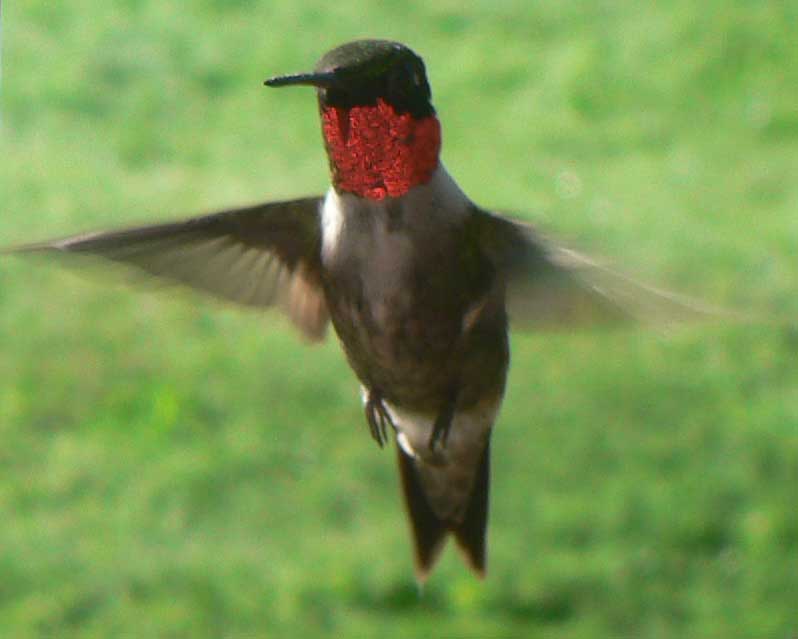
361	72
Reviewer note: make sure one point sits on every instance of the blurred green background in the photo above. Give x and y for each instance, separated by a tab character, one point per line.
173	467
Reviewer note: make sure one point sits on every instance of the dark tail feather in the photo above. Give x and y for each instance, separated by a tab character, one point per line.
471	533
429	532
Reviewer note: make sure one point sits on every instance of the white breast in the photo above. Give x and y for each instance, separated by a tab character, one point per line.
332	223
440	196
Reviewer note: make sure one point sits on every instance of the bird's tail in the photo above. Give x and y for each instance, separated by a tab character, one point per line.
468	523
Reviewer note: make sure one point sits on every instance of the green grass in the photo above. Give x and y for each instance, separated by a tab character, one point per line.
173	467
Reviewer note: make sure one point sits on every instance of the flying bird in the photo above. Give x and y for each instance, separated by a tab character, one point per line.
419	282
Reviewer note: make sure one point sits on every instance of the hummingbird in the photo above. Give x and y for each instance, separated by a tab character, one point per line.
420	284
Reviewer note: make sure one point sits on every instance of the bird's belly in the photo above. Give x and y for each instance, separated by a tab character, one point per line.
468	434
401	285
404	352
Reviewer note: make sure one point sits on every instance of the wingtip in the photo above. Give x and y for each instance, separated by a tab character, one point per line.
22	249
34	247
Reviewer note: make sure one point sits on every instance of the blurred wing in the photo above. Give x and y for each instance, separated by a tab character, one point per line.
260	256
553	287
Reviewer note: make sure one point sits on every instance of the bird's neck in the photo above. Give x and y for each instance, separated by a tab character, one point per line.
376	152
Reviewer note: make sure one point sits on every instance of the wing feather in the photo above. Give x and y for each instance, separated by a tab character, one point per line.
549	286
262	255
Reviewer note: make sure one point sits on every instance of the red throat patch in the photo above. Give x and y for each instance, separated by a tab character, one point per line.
376	152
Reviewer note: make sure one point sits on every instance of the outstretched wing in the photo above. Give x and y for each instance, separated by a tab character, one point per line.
553	287
262	255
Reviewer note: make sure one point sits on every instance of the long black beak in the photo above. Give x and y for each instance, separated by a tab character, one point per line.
325	80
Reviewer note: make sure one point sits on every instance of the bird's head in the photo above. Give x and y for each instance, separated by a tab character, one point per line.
379	125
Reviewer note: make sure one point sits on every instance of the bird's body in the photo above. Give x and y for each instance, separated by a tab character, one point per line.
415	300
421	318
416	279
402	282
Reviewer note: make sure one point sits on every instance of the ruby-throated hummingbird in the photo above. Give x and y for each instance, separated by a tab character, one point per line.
417	280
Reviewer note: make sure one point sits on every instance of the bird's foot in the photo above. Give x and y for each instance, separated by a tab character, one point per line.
377	417
443	424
